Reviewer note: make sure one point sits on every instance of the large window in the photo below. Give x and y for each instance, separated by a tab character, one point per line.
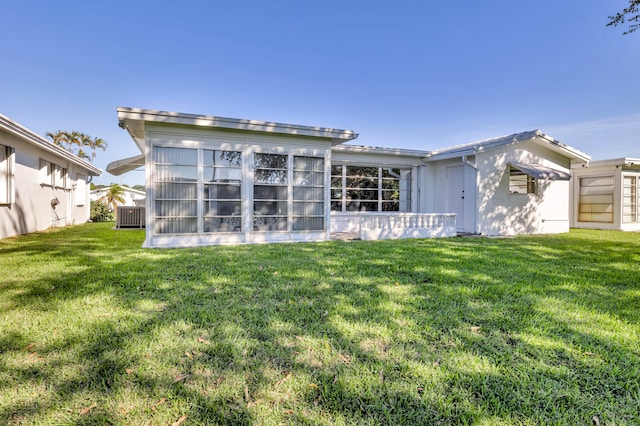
596	199
270	192
183	189
176	190
372	189
222	185
630	199
6	174
199	190
288	197
308	193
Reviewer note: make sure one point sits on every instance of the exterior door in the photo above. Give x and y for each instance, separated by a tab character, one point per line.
455	194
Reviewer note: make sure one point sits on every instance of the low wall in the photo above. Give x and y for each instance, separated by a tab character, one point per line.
382	226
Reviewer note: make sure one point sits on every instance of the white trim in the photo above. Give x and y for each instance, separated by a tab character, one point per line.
27	135
126	114
7	197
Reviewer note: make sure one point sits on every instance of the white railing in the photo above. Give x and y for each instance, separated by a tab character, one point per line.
381	226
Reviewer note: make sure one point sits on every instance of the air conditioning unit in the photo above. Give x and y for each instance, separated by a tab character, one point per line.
130	217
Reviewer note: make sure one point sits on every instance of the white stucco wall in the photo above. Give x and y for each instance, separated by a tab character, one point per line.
32	209
502	213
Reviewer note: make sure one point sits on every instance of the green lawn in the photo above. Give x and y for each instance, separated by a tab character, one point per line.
529	330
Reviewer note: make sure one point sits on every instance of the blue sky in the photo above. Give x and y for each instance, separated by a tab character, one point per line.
407	74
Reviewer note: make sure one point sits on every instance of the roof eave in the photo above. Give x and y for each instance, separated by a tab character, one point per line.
27	135
566	150
126	114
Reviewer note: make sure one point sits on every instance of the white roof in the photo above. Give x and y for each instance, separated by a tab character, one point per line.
380	150
127	118
485	145
33	138
615	162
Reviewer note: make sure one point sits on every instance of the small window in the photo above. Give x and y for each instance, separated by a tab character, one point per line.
6	175
81	189
59	176
46	172
521	183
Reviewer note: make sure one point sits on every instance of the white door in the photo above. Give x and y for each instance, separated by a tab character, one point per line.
455	194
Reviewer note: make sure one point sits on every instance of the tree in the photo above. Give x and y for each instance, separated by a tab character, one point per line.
113	197
78	143
629	15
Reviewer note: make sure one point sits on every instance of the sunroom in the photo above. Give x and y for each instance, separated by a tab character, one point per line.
213	180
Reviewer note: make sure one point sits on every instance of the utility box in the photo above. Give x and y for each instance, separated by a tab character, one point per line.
130	217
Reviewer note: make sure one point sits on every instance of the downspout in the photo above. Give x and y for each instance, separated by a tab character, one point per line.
474	166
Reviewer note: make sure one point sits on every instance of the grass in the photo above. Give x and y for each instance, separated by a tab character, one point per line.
524	331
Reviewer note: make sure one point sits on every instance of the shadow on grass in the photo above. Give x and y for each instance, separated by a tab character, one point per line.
531	330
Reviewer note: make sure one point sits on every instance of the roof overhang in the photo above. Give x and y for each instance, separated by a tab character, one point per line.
133	119
27	135
541	172
125	165
535	136
624	162
360	149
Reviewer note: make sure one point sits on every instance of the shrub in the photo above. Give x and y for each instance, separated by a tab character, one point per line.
100	212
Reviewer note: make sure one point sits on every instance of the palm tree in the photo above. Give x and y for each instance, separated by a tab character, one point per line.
78	143
113	197
92	144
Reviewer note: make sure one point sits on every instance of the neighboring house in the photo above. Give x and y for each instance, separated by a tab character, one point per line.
214	180
41	184
132	197
606	194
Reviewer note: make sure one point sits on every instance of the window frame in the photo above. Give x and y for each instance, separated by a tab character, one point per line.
520	179
7	168
630	201
289	188
379	190
587	216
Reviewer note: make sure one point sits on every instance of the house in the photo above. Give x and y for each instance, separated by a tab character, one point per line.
517	184
605	195
215	180
131	196
41	184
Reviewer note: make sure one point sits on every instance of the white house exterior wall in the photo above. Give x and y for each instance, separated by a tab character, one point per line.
502	213
32	210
